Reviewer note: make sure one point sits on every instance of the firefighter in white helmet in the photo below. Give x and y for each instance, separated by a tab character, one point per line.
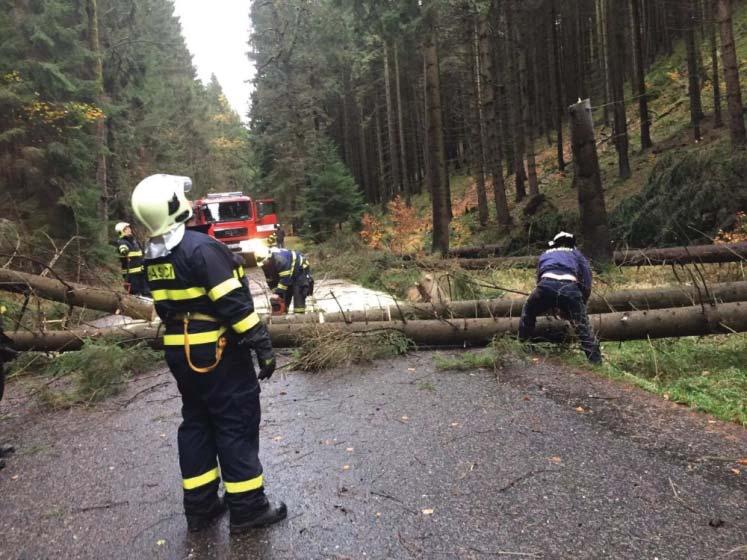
131	259
202	296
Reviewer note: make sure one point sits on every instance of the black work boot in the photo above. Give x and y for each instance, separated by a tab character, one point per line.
198	522
271	513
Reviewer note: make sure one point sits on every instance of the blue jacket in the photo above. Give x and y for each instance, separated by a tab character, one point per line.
563	260
283	268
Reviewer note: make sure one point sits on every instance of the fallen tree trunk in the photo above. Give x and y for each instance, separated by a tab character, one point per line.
477	251
664	323
731	252
76	294
625	300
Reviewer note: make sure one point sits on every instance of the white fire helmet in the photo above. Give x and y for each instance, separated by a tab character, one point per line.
159	202
120	227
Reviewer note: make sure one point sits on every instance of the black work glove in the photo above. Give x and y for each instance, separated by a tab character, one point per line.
259	340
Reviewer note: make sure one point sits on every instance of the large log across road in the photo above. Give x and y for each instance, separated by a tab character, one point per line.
624	300
728	252
77	294
687	321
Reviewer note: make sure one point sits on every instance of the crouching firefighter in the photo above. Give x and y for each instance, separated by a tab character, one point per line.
131	259
289	276
563	284
203	299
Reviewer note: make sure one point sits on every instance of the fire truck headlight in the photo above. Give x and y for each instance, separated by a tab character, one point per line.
252	245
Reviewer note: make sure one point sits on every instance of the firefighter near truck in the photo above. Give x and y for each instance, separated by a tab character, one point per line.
242	223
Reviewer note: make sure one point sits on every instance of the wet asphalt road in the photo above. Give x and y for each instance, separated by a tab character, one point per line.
394	460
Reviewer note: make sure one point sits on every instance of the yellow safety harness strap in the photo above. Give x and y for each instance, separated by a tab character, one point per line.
220	345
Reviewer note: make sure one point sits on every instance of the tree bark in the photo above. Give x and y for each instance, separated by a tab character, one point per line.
704	254
76	294
587	181
640	80
718	119
693	83
100	125
731	75
616	50
633	325
390	127
437	173
559	104
478	127
494	159
625	300
401	127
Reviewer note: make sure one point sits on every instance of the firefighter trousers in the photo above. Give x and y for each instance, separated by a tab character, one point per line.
298	292
565	296
221	415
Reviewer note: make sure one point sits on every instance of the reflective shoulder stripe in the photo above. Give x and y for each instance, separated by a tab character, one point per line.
245	485
201	480
223	288
178	295
195	338
246	323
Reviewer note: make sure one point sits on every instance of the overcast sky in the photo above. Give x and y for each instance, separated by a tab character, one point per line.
217	34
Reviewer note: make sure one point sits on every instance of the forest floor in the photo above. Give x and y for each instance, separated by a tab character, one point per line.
391	460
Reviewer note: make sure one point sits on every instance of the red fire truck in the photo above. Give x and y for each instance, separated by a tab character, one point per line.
235	219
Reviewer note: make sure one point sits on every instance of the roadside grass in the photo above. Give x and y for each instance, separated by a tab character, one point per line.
322	350
97	371
707	374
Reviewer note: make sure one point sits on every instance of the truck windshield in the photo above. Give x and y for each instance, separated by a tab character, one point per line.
228	211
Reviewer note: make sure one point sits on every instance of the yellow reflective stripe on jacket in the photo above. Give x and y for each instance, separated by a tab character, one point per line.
238	272
244	486
194	338
178	295
223	288
134	270
201	480
134	254
246	323
281	287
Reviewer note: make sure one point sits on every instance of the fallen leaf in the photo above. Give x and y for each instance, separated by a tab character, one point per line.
736	471
346	467
666	396
411	369
555	459
378	514
283	393
405	418
454	424
580	409
743	461
349	449
711	421
277	438
428	511
526	397
14	477
160	542
535	360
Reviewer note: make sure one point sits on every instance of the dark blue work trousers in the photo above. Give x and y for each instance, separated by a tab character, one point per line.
565	296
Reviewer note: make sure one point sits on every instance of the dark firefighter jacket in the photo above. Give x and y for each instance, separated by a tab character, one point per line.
202	278
282	268
130	255
564	260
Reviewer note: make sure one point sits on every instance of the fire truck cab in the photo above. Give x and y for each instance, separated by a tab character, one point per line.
235	219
